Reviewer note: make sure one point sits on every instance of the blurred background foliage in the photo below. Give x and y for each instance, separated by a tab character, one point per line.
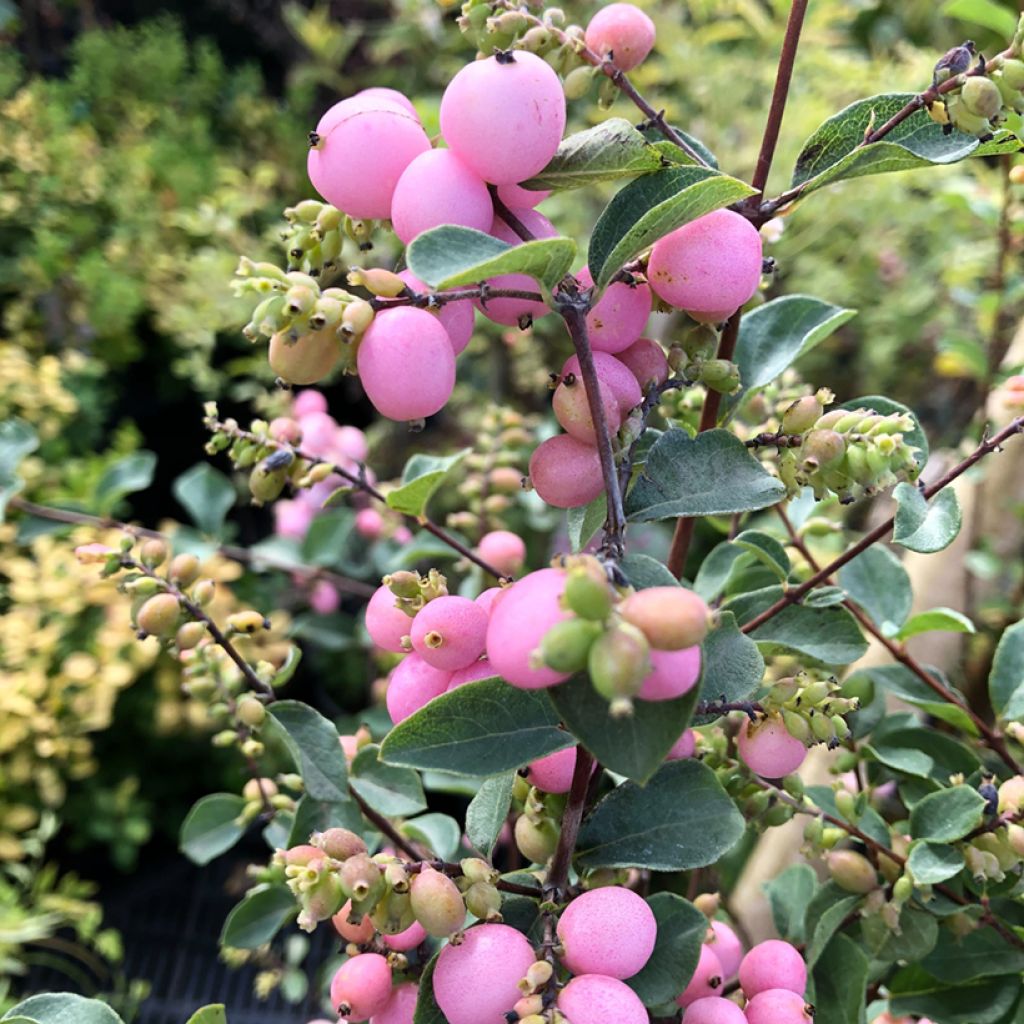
144	145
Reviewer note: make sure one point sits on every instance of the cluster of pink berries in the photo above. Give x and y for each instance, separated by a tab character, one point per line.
772	980
537	633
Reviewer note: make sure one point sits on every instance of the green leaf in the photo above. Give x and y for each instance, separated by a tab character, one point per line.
947	756
585	520
210	828
132	473
288	667
609	151
479	729
723	563
840	983
773	336
987	13
931	863
681	931
389	790
315	747
440	832
766	549
825	916
918	933
980	954
789	895
17	439
258	917
733	666
925	527
877	581
1006	680
944	620
633	745
642	571
487	811
834	151
652	206
671	152
206	494
450	256
62	1008
707	475
947	815
212	1014
916	438
422	476
328	537
427	1010
986	1001
870	821
901	682
681	819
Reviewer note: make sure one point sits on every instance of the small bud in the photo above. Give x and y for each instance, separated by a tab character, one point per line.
851	871
377	281
204	592
189	635
251	712
247	622
483	900
474	869
153	553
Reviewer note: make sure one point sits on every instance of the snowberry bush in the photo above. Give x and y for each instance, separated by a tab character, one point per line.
625	727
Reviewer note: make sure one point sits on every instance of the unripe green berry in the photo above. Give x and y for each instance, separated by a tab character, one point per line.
588	596
189	635
536	842
266	483
204	592
339	843
721	375
483	900
796	725
251	712
822	448
981	96
618	662
475	869
852	871
567	644
360	877
846	804
153	553
437	903
577	83
159	615
801	415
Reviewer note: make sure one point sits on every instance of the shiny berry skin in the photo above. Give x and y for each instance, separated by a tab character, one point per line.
401	1007
505	310
409	939
553	773
610	930
481	669
359	933
361	987
713	1010
623	31
613	373
619	316
727	947
768	749
306	359
647	361
571	406
566	472
456	317
505	550
683	747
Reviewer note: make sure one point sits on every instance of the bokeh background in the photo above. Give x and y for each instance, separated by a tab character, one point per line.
143	147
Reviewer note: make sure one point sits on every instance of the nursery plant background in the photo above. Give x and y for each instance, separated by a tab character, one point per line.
145	148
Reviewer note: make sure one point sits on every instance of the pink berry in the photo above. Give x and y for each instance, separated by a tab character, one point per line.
359	933
456	317
727	947
571	407
566	472
409	939
610	930
350	443
504	116
364	100
683	747
318	430
707	979
646	360
284	428
597	999
553	773
623	31
323	598
772	964
361	987
777	1006
672	674
413	684
385	622
517	196
487	598
308	401
449	632
708	267
406	364
361	156
713	1010
519	619
369	523
768	749
619	317
401	1007
613	373
438	188
481	669
505	550
510	311
380	93
292	519
477	982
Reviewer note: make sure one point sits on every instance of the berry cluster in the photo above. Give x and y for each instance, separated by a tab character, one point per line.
983	103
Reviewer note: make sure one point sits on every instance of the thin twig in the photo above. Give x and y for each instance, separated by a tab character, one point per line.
508	217
436	299
558	875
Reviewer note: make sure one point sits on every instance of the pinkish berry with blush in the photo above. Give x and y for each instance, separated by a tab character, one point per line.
515	196
409	939
773	964
571	406
308	401
361	987
598	999
619	316
323	598
401	1007
727	947
481	669
292	518
615	375
284	428
449	632
369	523
505	550
565	472
385	622
672	674
610	931
412	685
477	981
683	747
707	979
713	1010
778	1006
622	31
520	617
647	361
456	318
553	773
487	598
768	749
358	933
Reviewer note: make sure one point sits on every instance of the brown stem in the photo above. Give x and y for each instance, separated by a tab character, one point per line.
384	826
432	300
513	222
558	874
237	554
783	77
986	447
574	312
683	534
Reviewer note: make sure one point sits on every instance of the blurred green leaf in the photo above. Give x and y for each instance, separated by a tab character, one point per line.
922	525
487	811
17	439
206	494
1006	680
62	1008
258	917
132	473
585	520
789	895
212	1014
210	827
943	620
986	13
440	832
